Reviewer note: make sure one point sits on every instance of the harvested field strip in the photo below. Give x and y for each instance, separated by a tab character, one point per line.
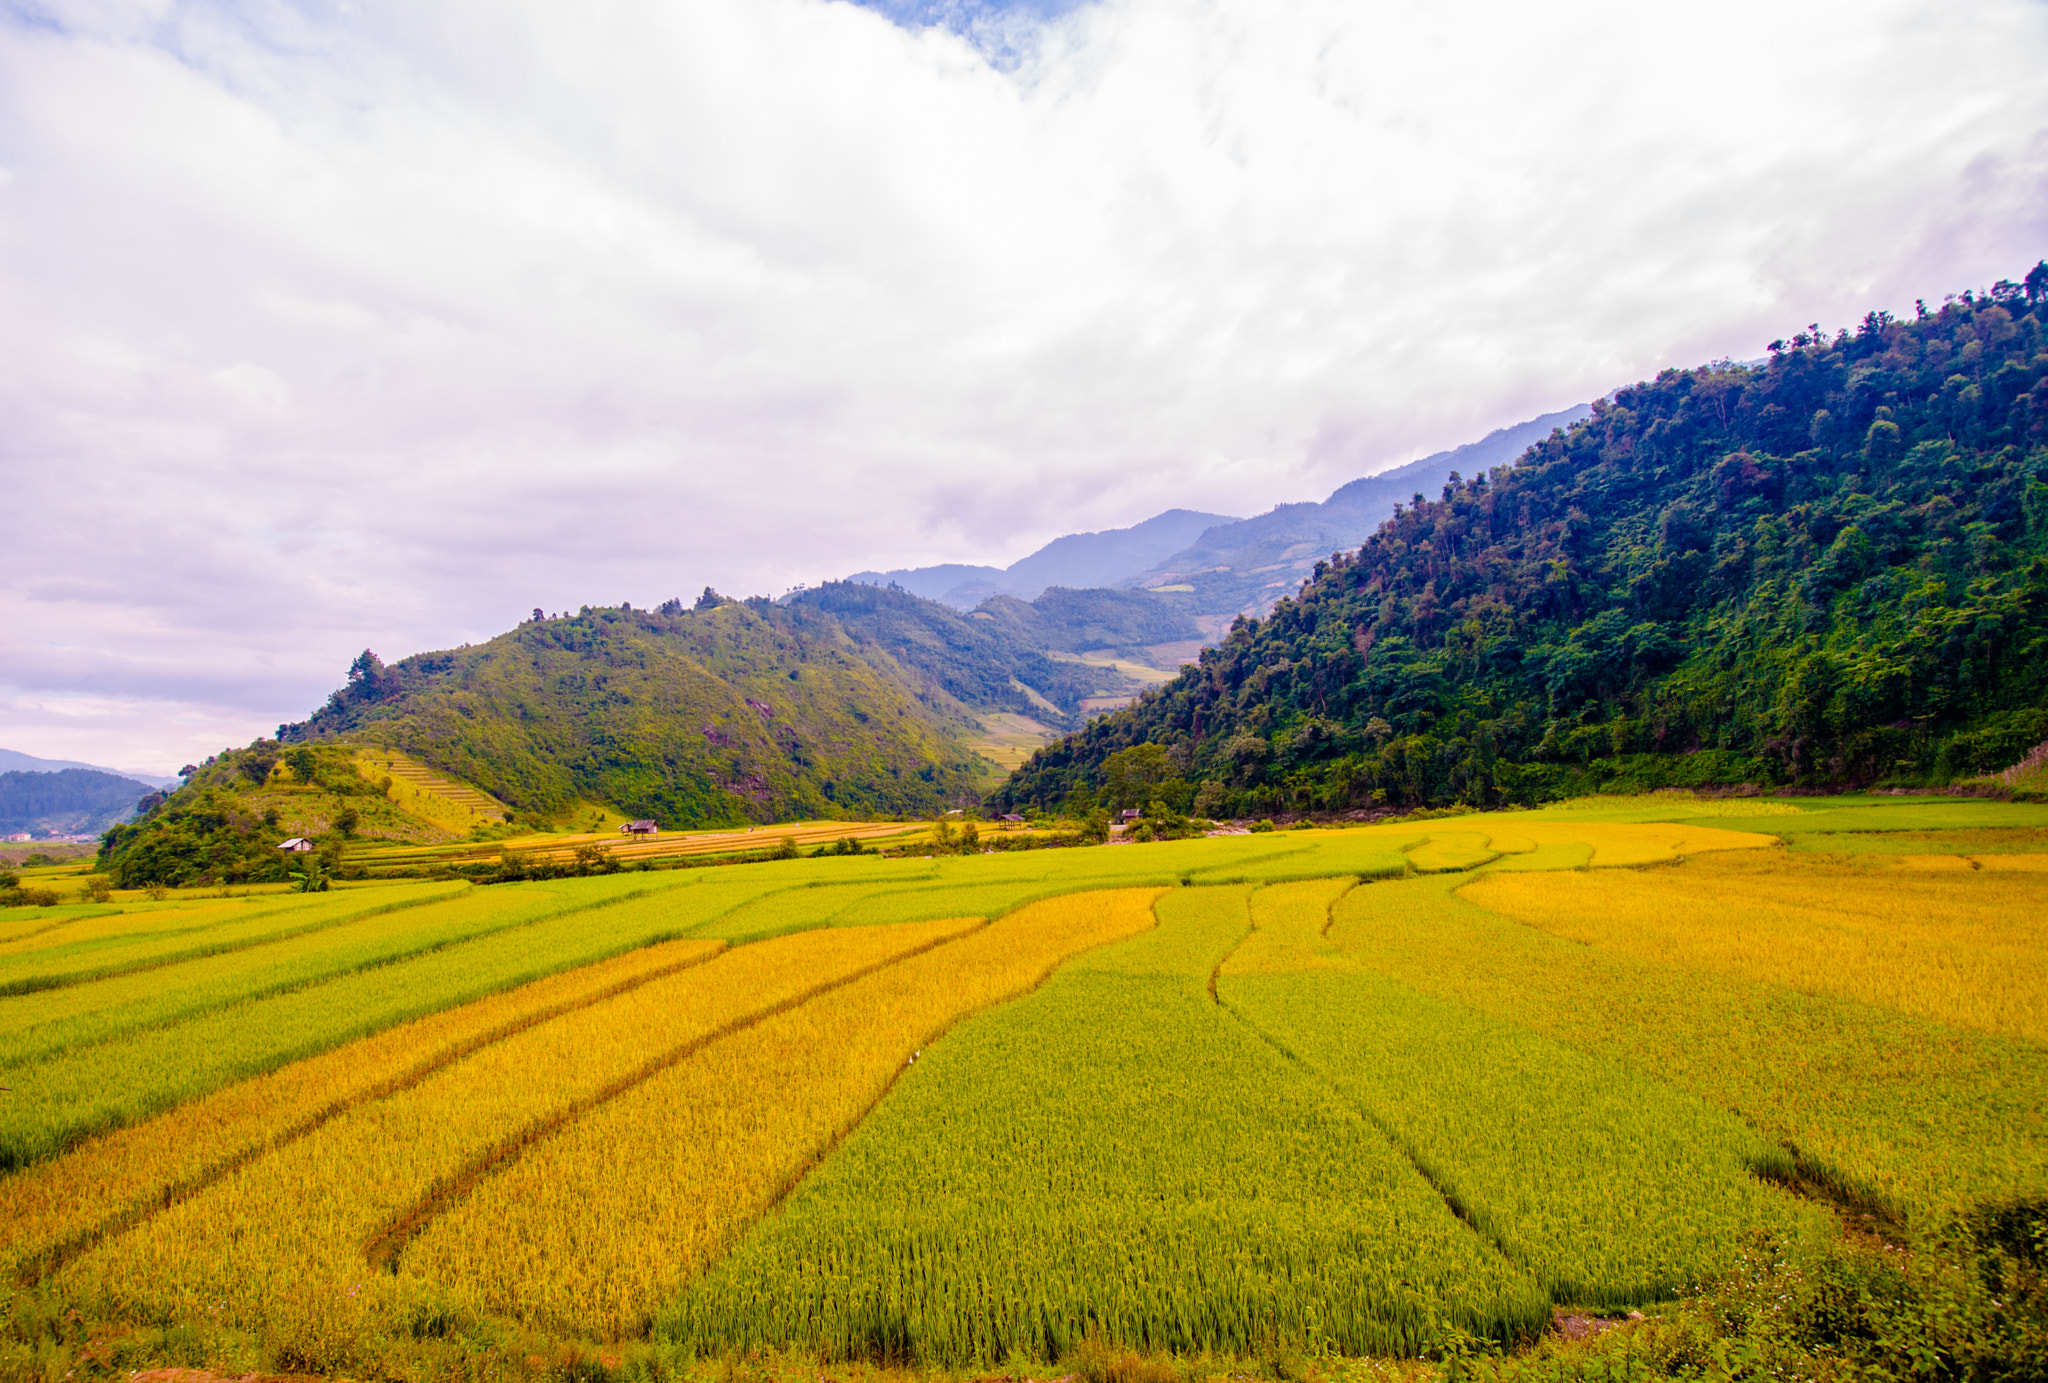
50	1212
1911	1118
56	1102
1610	1189
1947	944
597	1224
1114	1157
361	1182
76	960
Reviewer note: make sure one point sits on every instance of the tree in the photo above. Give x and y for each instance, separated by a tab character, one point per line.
1129	775
303	765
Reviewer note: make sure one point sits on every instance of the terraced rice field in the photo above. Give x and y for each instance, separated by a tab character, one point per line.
1362	1091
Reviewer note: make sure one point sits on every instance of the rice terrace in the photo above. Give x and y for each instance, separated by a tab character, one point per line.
1414	1090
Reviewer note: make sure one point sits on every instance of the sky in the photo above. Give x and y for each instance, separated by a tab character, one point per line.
332	324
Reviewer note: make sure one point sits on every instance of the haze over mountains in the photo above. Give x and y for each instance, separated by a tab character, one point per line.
1077	561
14	761
1227	566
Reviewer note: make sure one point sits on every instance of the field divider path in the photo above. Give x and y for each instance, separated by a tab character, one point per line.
1610	1187
30	1269
1108	1156
1436	1183
383	1248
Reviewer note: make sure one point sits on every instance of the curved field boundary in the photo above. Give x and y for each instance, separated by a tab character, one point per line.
1176	1186
33	971
64	1208
56	1103
1609	1187
740	1124
37	1027
383	1247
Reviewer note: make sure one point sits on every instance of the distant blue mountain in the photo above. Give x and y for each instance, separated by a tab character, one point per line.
1247	565
1226	565
1079	561
14	761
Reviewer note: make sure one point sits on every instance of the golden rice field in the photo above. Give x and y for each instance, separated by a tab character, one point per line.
1370	1091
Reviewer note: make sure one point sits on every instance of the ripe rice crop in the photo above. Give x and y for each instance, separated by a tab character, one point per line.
69	1201
1371	853
598	1222
1113	1158
105	947
362	1178
1891	1112
566	923
1940	940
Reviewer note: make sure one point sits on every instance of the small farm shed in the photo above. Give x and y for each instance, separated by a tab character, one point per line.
641	828
1013	818
1130	814
298	845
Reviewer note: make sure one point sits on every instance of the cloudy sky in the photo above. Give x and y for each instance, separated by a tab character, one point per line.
334	323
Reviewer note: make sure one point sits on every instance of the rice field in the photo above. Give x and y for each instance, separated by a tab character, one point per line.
1363	1091
1116	1157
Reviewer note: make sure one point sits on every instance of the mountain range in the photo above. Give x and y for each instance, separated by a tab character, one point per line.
1827	569
14	761
1077	561
1226	566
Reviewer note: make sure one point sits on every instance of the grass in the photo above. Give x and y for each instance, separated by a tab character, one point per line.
1111	1163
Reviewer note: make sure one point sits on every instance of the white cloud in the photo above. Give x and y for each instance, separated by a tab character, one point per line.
331	325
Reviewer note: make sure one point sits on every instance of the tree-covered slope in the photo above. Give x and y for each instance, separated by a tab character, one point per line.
982	663
727	713
74	800
1831	568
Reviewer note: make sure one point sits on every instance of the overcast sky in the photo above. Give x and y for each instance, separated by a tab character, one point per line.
334	323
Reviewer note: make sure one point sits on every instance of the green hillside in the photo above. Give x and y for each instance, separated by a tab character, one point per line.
1830	569
728	713
73	800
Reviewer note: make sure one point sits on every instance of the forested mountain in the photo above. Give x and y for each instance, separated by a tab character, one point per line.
1243	567
728	712
1828	569
1091	621
72	801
